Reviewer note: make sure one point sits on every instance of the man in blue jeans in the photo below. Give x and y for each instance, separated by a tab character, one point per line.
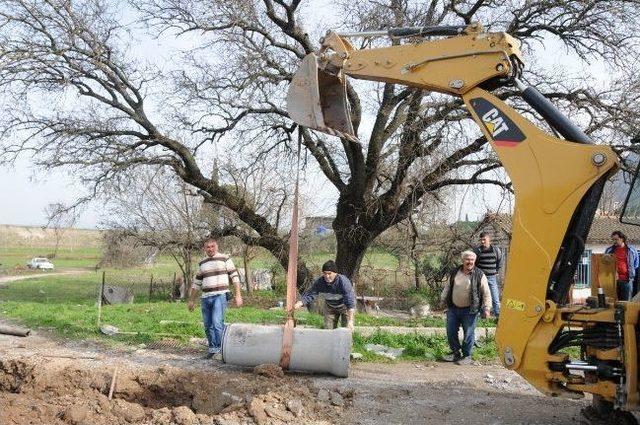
489	260
213	277
465	295
626	258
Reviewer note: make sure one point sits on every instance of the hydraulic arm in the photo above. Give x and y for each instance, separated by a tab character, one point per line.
557	183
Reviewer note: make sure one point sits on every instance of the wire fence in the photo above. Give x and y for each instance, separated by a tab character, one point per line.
138	285
384	283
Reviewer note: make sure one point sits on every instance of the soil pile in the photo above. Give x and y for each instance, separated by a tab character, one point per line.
36	391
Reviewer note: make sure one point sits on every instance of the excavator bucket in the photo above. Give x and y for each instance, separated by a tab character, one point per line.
318	100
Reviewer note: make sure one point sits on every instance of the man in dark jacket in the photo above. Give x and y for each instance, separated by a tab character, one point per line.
626	258
340	300
465	294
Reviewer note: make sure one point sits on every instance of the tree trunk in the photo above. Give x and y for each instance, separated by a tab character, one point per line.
414	254
188	264
349	254
247	271
416	273
58	236
353	236
280	250
305	277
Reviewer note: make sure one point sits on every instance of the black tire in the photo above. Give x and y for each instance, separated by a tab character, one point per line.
602	412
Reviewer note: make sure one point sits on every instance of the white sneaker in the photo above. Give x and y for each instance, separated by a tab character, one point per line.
464	361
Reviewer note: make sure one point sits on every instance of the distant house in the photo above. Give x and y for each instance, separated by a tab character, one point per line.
318	225
599	238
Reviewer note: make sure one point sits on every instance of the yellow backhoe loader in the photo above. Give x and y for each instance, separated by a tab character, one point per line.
557	183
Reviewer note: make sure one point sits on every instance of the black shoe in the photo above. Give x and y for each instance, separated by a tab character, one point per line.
451	357
209	356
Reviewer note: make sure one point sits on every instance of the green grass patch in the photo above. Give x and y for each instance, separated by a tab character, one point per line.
436	321
53	290
66	304
418	347
156	321
12	257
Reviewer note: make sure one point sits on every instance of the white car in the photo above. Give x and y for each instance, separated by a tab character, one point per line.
40	263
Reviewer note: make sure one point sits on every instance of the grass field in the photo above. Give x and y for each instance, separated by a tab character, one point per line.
67	304
12	257
158	321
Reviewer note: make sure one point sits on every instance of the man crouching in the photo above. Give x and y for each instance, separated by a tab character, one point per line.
465	294
340	300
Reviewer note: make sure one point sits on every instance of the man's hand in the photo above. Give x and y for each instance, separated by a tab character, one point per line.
485	313
238	300
191	305
351	316
298	305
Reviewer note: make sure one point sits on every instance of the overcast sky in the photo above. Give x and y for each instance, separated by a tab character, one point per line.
26	192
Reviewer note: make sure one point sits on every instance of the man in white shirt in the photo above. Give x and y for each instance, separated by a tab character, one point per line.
465	294
213	276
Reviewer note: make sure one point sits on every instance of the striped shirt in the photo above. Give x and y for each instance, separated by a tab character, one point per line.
488	260
214	274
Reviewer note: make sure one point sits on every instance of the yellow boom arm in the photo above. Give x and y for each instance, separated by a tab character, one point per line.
557	185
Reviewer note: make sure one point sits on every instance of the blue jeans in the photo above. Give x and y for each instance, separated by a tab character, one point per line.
624	290
457	317
495	294
213	308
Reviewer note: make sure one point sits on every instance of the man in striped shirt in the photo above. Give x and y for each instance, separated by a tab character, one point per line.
489	260
212	278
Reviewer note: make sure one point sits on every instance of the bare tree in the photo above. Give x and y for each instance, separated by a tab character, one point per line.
156	209
107	112
59	218
410	240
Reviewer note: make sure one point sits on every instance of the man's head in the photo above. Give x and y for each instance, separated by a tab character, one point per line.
618	238
210	247
329	271
468	260
485	239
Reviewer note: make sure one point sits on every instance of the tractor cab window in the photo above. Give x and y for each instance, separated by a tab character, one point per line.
631	210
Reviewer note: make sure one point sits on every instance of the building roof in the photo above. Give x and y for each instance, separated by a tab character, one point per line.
603	226
500	226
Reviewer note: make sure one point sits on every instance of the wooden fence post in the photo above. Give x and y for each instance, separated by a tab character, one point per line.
100	296
172	293
150	287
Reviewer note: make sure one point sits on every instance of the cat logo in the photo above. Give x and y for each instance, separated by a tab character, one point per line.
494	122
502	130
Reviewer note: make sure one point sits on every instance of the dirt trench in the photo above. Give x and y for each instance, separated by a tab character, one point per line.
38	391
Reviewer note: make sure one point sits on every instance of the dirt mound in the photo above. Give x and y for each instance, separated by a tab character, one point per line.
33	391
